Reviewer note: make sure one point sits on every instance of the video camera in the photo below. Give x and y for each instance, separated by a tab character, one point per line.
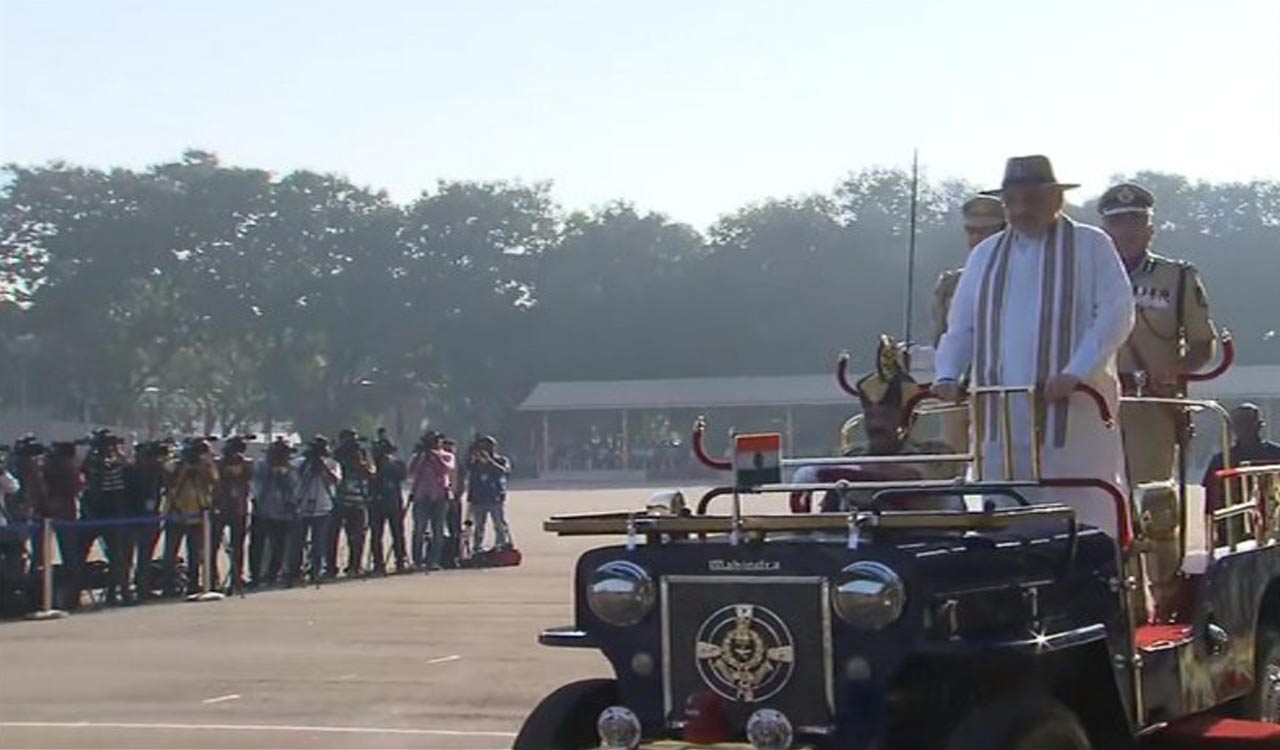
160	449
101	439
280	451
234	444
196	448
27	447
429	440
64	448
350	444
382	446
317	448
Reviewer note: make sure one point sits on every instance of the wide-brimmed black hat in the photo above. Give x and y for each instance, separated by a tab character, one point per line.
1029	170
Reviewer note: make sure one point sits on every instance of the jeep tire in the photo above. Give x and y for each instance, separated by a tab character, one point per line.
1035	722
566	719
1263	701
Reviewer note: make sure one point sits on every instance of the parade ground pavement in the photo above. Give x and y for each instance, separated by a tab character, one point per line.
447	660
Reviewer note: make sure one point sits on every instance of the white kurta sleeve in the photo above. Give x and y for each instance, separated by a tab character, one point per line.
1113	310
955	350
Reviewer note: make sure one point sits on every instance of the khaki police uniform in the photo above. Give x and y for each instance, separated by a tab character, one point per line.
980	212
1170	304
943	292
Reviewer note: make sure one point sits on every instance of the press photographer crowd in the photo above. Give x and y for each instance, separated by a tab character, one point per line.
129	522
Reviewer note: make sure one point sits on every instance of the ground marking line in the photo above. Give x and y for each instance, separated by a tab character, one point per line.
250	728
444	659
221	699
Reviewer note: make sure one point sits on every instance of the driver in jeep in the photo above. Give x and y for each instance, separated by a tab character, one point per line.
883	393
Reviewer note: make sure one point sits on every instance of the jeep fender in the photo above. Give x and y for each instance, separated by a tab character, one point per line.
1076	668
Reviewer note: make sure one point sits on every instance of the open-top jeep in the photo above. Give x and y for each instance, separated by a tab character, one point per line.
981	621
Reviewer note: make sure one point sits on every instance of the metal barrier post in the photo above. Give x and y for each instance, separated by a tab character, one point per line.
206	559
46	611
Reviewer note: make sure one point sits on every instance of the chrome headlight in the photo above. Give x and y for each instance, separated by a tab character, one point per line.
768	729
872	596
620	593
619	729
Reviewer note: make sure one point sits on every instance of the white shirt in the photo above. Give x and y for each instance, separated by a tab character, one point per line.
1106	311
315	494
8	484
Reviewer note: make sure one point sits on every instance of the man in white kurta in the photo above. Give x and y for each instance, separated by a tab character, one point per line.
1046	302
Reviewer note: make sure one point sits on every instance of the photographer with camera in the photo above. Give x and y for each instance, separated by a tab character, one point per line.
105	499
28	474
387	506
190	493
318	477
457	533
274	509
231	507
145	481
9	489
432	469
22	491
487	473
13	542
63	483
351	512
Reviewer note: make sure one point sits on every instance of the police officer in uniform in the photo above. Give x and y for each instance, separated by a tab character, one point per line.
1172	335
983	217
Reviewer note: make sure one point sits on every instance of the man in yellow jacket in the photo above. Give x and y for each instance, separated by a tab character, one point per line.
190	494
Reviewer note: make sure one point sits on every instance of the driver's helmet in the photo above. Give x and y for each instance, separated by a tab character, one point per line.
890	382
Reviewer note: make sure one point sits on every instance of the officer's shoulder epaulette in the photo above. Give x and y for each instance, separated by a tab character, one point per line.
1166	260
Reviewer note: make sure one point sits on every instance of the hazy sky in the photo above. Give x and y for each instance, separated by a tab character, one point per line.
692	107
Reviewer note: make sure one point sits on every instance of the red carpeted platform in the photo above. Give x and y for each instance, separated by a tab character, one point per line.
1150	637
1215	733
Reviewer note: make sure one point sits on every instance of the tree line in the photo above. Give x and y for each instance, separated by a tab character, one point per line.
230	296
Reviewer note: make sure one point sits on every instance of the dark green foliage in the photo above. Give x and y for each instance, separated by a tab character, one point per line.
242	296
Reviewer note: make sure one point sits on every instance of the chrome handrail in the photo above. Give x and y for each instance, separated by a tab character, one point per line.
914	458
1254	499
1197	404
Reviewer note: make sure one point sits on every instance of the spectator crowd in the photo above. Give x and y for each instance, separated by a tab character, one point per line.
130	524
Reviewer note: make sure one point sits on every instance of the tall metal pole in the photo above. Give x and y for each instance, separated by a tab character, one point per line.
911	250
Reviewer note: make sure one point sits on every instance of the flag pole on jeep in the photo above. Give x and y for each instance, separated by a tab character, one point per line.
911	255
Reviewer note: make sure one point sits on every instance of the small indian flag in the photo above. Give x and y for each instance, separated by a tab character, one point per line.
757	459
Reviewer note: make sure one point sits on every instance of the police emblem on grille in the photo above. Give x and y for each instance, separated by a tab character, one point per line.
745	653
